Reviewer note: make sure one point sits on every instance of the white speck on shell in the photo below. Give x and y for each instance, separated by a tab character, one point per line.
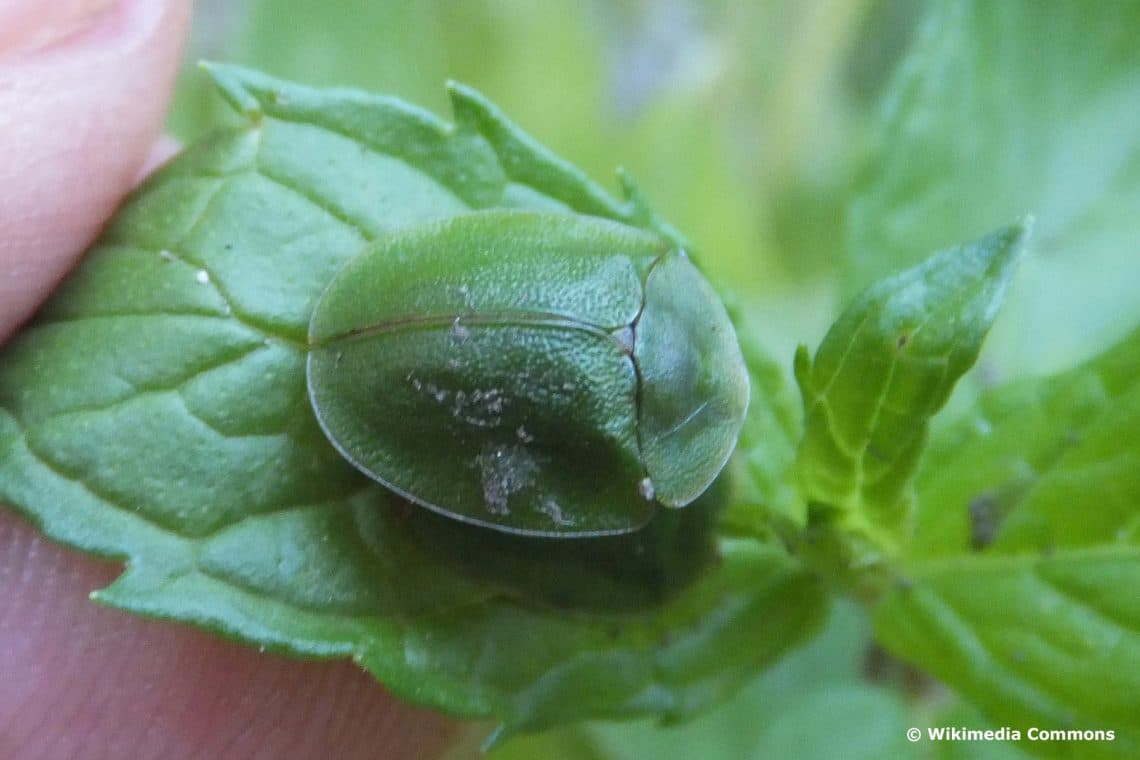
458	332
480	408
551	509
439	394
645	487
505	471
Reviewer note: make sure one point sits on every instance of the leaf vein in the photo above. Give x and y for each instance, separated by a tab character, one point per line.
968	640
1128	627
447	133
105	498
337	214
234	311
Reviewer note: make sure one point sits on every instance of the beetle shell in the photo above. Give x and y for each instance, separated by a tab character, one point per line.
535	373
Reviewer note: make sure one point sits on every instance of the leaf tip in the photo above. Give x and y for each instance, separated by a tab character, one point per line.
801	367
1015	235
457	89
468	105
230	81
632	193
1004	247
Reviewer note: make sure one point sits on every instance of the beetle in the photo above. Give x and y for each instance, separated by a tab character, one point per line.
536	373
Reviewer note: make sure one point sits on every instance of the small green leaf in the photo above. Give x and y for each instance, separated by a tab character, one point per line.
155	412
1039	464
884	368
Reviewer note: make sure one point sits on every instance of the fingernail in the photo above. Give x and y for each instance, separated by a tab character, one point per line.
27	26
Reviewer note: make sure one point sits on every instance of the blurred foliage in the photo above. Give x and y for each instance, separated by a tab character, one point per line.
779	715
1004	109
736	117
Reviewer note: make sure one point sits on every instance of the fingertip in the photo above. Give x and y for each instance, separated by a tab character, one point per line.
83	97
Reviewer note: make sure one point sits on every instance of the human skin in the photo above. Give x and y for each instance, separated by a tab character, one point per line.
84	86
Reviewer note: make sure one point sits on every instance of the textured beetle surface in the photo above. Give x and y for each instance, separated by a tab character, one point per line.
534	373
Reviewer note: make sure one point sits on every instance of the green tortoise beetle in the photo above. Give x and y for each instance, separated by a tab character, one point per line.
539	374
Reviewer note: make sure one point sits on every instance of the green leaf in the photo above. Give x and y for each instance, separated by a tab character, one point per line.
155	412
1040	464
1001	109
1019	587
1050	641
884	368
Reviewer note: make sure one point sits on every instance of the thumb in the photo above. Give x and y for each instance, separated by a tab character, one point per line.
84	87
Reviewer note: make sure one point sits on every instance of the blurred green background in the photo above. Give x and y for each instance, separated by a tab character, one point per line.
805	147
740	120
